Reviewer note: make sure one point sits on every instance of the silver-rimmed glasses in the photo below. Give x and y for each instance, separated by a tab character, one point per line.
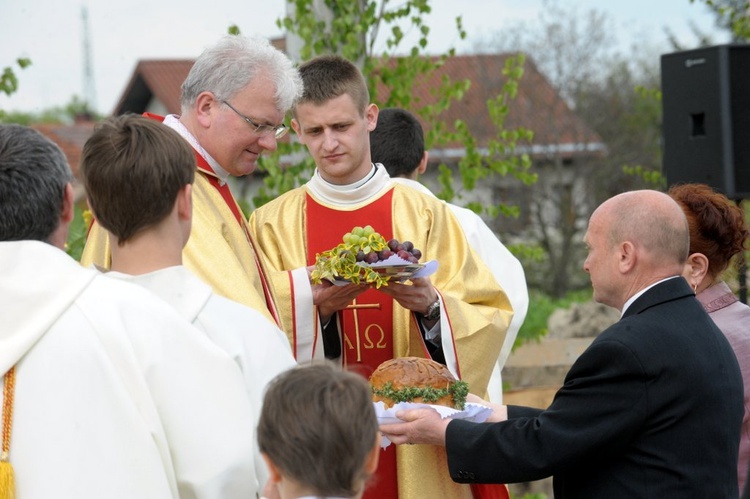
261	128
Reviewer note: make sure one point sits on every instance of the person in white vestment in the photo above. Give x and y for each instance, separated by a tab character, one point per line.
398	144
138	175
110	393
319	434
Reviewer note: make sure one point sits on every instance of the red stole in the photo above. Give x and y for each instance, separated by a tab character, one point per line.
367	324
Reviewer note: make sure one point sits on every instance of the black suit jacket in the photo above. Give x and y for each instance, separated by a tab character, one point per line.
652	409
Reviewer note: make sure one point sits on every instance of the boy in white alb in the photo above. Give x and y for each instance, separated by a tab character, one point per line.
138	174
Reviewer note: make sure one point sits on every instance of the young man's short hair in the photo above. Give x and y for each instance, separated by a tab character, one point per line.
132	168
318	426
329	76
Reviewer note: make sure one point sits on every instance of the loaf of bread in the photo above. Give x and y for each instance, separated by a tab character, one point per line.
414	379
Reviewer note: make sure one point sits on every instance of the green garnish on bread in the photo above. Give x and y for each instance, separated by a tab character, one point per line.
414	379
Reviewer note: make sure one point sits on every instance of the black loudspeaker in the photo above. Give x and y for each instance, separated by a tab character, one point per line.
706	117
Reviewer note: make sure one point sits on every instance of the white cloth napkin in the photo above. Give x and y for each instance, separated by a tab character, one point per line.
472	412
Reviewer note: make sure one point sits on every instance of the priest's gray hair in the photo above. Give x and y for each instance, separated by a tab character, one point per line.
233	62
33	176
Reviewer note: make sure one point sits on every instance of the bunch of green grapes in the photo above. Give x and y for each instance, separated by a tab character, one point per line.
361	245
364	241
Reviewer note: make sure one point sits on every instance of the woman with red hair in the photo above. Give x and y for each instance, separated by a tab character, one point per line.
718	233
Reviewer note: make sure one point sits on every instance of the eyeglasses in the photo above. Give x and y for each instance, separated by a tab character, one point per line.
261	129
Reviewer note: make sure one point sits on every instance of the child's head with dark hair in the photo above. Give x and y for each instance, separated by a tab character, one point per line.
318	431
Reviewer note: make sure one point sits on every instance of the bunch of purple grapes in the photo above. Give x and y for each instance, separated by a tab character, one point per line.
405	251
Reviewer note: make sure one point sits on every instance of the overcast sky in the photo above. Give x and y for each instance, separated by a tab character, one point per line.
50	32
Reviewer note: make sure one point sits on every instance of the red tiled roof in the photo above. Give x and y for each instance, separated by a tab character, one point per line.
160	79
70	138
537	106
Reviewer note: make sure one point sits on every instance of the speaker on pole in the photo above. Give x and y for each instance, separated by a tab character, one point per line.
706	117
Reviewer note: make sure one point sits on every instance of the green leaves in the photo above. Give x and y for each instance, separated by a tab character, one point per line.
458	391
9	80
353	28
340	263
732	14
77	232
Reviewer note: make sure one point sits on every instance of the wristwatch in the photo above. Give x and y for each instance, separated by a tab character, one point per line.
433	311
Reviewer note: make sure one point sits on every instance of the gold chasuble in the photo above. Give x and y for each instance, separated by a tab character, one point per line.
291	229
220	249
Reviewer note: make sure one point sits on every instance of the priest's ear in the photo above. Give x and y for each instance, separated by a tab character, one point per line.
206	105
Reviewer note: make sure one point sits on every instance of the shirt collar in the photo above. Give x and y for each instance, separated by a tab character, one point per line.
639	293
173	122
355	193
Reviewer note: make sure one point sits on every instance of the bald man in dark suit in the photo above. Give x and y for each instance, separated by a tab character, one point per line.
652	409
